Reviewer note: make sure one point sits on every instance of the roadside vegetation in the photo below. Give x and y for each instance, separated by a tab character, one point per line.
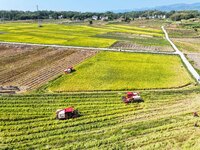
124	71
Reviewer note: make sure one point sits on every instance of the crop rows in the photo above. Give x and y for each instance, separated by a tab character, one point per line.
132	46
33	66
77	35
54	69
106	123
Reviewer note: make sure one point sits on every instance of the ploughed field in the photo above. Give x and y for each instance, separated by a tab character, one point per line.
124	71
32	66
107	35
138	42
163	121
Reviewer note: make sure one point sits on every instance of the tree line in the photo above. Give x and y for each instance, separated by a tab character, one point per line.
72	15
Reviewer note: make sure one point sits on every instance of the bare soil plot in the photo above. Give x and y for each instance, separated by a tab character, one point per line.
32	66
195	58
132	46
137	42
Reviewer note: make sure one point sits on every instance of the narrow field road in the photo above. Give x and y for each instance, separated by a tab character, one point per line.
90	48
184	59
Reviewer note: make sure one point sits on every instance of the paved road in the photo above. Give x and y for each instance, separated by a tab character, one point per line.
184	59
92	48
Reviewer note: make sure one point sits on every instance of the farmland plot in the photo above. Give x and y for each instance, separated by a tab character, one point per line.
70	35
163	121
124	71
138	42
31	66
187	39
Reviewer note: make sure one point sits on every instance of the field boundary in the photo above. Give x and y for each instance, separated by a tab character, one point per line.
182	56
91	48
124	90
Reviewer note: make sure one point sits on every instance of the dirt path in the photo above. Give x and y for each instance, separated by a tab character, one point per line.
91	48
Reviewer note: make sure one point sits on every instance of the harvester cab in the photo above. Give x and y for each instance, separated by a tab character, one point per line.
67	113
69	70
132	97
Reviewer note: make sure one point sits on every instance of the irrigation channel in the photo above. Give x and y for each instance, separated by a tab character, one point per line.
184	59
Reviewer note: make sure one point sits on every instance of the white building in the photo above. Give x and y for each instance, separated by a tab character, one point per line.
94	17
60	17
104	18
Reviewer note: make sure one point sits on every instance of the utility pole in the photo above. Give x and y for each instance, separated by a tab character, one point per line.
39	24
3	16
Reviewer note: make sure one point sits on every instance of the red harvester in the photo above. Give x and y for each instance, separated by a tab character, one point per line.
132	97
67	113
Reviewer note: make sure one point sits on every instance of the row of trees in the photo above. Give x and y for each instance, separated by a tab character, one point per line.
28	15
177	16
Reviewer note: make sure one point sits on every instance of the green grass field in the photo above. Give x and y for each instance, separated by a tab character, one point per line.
163	121
70	35
124	71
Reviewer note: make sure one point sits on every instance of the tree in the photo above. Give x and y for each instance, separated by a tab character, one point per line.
90	22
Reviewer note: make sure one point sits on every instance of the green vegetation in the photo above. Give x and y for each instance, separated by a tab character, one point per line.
185	29
163	121
192	25
71	35
184	15
81	16
182	33
124	71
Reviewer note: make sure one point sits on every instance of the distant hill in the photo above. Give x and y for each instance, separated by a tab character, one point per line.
177	7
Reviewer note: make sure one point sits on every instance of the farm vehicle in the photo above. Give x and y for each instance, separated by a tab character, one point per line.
132	97
67	113
69	70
